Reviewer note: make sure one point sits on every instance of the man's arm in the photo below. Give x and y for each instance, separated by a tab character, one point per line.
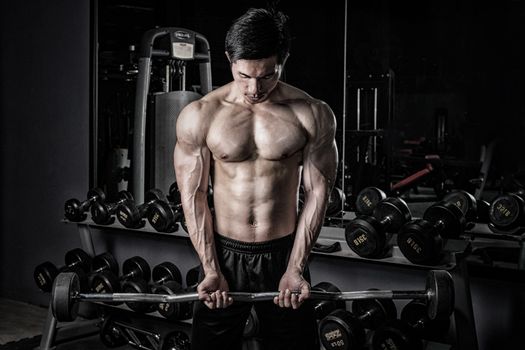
192	168
319	173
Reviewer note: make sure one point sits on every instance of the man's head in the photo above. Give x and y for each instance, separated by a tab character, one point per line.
258	34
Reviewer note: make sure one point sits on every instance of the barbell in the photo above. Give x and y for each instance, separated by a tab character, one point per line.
438	296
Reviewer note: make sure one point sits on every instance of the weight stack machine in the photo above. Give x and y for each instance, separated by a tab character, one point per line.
164	52
367	135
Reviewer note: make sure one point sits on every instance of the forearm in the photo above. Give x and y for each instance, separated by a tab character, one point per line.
309	226
200	226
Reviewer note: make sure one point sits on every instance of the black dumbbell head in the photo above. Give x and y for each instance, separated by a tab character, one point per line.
449	216
137	286
396	334
78	257
366	237
101	213
136	267
374	312
95	194
174	194
395	209
128	214
103	262
153	195
104	282
162	217
323	308
336	200
367	199
420	242
173	311
44	275
192	277
464	201
415	314
166	271
341	330
506	211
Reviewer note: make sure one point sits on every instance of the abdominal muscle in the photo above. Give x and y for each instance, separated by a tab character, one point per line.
256	200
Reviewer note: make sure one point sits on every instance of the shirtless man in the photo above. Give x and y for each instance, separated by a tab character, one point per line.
260	137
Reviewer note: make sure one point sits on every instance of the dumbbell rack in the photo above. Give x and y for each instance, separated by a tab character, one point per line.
455	263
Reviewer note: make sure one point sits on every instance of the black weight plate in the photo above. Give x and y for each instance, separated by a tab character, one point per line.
373	313
161	216
78	257
323	308
105	261
396	334
66	285
153	195
138	267
251	328
137	286
396	210
173	311
464	201
415	314
506	211
192	277
449	216
365	237
336	201
97	194
341	330
166	271
111	335
100	213
419	242
44	275
367	199
440	286
125	195
73	211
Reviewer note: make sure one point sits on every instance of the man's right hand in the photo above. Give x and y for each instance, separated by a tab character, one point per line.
213	291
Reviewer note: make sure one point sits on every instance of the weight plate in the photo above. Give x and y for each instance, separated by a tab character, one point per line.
336	201
192	277
100	213
396	334
373	313
97	194
506	211
153	195
415	314
44	275
166	271
341	330
449	216
78	257
396	209
137	286
441	294
105	261
73	210
464	201
137	267
66	285
161	216
365	237
173	311
323	308
419	242
367	199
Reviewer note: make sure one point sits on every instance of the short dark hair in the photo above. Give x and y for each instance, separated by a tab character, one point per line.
258	33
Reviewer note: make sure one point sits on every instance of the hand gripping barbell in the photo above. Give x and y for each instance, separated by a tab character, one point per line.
438	295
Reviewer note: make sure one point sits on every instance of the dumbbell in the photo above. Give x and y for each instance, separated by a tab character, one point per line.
135	271
474	210
343	329
369	236
336	201
163	215
75	210
367	199
131	215
421	241
323	308
192	278
507	212
103	262
167	279
409	331
102	212
75	260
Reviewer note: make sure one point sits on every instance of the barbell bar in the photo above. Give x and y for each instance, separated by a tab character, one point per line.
438	295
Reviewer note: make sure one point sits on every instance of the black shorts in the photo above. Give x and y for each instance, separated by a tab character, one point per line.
254	267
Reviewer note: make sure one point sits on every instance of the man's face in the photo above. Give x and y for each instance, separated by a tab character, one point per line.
256	79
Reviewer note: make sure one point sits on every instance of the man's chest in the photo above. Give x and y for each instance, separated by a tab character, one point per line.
247	135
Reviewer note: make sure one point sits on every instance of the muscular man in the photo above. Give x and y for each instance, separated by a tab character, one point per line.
259	137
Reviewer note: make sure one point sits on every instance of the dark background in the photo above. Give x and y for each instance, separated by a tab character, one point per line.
464	56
